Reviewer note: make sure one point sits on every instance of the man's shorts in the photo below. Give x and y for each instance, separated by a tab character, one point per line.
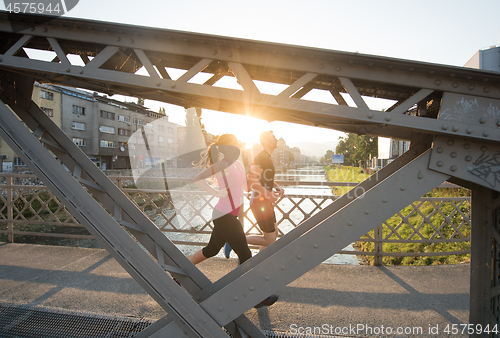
263	210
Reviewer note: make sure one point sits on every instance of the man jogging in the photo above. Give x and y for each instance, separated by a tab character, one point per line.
261	181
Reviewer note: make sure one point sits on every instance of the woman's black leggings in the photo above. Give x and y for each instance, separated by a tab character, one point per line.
227	229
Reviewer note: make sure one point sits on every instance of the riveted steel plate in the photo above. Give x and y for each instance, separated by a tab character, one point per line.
477	115
474	161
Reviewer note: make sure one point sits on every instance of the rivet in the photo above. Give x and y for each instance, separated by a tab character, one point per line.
371	64
454	85
468	131
384	200
455	128
338	69
453	168
453	154
1	59
204	321
158	84
439	150
131	40
439	163
81	71
498	122
388	118
173	85
44	29
229	54
420	175
118	39
332	234
235	298
484	149
482	120
283	267
214	52
221	309
349	223
68	70
450	142
367	212
402	188
411	69
466	146
471	87
268	278
251	288
315	246
486	134
486	89
444	126
437	82
468	158
299	256
370	115
321	66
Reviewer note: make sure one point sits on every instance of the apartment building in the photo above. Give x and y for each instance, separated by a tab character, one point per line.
102	127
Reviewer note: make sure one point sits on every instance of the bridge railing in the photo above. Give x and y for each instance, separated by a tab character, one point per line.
28	209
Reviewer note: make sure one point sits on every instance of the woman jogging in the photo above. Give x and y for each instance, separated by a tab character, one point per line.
231	177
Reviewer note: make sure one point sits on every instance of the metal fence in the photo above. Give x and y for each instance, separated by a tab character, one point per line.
27	208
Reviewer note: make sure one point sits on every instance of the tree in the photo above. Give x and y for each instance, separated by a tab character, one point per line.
357	149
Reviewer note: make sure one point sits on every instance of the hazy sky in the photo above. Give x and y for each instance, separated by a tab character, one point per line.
436	31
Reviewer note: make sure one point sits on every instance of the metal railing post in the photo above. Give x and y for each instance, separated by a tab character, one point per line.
10	207
378	246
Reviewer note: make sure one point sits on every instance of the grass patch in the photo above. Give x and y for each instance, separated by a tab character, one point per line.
445	223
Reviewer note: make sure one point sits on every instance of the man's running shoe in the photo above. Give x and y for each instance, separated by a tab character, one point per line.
268	301
227	250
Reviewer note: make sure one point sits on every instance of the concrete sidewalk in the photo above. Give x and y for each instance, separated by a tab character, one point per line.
362	300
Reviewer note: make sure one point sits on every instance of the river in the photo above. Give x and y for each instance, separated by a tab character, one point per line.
308	174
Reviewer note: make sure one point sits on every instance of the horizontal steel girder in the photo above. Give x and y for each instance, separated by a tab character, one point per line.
119	50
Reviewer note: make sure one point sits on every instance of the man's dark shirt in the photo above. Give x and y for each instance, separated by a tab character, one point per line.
265	162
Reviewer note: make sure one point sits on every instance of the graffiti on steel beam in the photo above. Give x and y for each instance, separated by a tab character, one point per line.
487	168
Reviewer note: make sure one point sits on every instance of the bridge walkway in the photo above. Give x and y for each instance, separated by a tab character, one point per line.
91	281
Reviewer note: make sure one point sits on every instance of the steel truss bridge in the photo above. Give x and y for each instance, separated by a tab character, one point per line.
451	115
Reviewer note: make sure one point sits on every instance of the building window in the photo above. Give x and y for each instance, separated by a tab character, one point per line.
123	118
160	138
107	130
78	126
47	95
18	162
78	110
124	132
107	144
170	130
107	115
161	127
170	140
48	111
79	141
